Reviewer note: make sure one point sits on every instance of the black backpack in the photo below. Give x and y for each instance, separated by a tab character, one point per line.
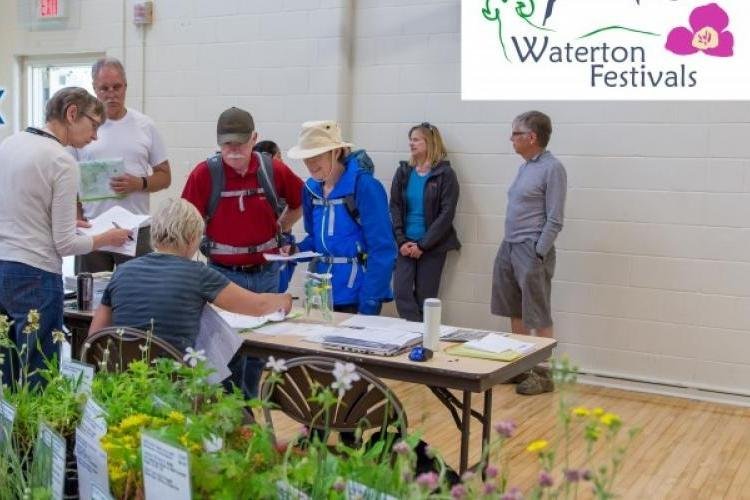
265	180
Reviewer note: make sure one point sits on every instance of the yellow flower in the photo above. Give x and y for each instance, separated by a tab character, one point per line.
598	412
610	420
116	473
538	445
176	417
137	420
581	411
184	440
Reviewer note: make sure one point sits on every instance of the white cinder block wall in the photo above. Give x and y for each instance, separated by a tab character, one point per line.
653	276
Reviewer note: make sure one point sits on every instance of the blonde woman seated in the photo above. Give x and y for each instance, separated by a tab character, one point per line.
170	289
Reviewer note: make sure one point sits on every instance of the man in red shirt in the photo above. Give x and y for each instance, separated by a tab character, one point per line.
244	223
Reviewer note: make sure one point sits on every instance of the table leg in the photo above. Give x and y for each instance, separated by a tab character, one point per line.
465	432
486	419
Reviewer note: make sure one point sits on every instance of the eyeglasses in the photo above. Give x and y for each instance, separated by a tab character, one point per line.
516	133
117	88
96	123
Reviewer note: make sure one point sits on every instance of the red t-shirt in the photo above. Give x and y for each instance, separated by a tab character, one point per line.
231	226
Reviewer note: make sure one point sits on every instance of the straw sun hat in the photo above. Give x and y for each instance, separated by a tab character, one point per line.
317	138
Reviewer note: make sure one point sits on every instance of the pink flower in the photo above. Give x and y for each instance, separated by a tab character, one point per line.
458	492
428	480
505	428
708	23
401	448
545	479
491	471
512	494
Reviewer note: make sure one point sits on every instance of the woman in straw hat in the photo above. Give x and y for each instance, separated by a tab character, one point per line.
346	219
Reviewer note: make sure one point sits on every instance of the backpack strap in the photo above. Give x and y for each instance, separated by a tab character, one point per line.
216	169
265	179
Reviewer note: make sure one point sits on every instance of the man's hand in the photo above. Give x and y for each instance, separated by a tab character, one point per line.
406	249
126	184
415	252
82	223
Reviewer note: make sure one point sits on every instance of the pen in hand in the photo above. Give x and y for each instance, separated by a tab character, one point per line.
118	227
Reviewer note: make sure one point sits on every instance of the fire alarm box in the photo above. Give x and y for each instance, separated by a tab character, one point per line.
143	13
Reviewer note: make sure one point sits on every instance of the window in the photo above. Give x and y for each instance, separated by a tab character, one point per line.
43	76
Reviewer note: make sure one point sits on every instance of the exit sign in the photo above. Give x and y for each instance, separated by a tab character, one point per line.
51	9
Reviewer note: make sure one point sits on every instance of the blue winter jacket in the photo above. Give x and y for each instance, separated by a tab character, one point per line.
332	232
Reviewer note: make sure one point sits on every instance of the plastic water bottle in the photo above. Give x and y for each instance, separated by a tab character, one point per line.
431	335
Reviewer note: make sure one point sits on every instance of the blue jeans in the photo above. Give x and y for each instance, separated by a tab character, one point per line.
246	370
23	288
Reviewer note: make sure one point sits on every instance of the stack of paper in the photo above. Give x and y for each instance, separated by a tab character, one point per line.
393	324
117	217
495	343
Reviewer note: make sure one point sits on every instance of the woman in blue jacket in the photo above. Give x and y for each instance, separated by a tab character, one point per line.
346	218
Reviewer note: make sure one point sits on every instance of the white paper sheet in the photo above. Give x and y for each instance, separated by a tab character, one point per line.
219	341
271	257
78	372
56	445
497	343
117	217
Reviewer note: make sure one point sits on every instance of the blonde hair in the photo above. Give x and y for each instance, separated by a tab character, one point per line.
177	224
435	149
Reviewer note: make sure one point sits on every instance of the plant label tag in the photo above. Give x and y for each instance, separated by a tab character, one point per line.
166	469
49	455
78	372
99	494
355	490
286	491
7	416
90	456
92	465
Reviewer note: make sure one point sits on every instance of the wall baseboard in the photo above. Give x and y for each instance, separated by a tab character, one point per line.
664	389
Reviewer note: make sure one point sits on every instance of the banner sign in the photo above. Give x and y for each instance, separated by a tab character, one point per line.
605	50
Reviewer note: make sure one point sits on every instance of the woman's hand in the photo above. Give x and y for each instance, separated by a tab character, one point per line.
285	303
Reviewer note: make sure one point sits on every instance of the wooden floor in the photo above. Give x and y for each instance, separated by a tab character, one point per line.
686	449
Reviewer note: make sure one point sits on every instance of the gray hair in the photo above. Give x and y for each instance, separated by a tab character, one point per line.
111	62
177	224
536	122
57	106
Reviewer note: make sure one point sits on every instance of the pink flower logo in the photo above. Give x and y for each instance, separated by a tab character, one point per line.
707	34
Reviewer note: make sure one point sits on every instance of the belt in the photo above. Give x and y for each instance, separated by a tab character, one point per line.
250	269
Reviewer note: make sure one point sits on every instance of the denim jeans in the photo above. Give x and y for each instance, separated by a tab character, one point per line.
246	370
23	288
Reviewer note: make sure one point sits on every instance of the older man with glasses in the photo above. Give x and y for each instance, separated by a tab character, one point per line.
132	137
525	262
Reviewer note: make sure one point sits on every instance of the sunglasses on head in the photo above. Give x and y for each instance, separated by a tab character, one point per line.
427	125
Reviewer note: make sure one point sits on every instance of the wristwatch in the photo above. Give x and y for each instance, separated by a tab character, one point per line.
145	184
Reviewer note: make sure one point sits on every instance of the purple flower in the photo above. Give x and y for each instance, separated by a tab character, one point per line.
545	479
491	471
339	485
708	23
458	492
572	475
428	480
512	494
586	474
505	428
304	432
488	488
401	448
